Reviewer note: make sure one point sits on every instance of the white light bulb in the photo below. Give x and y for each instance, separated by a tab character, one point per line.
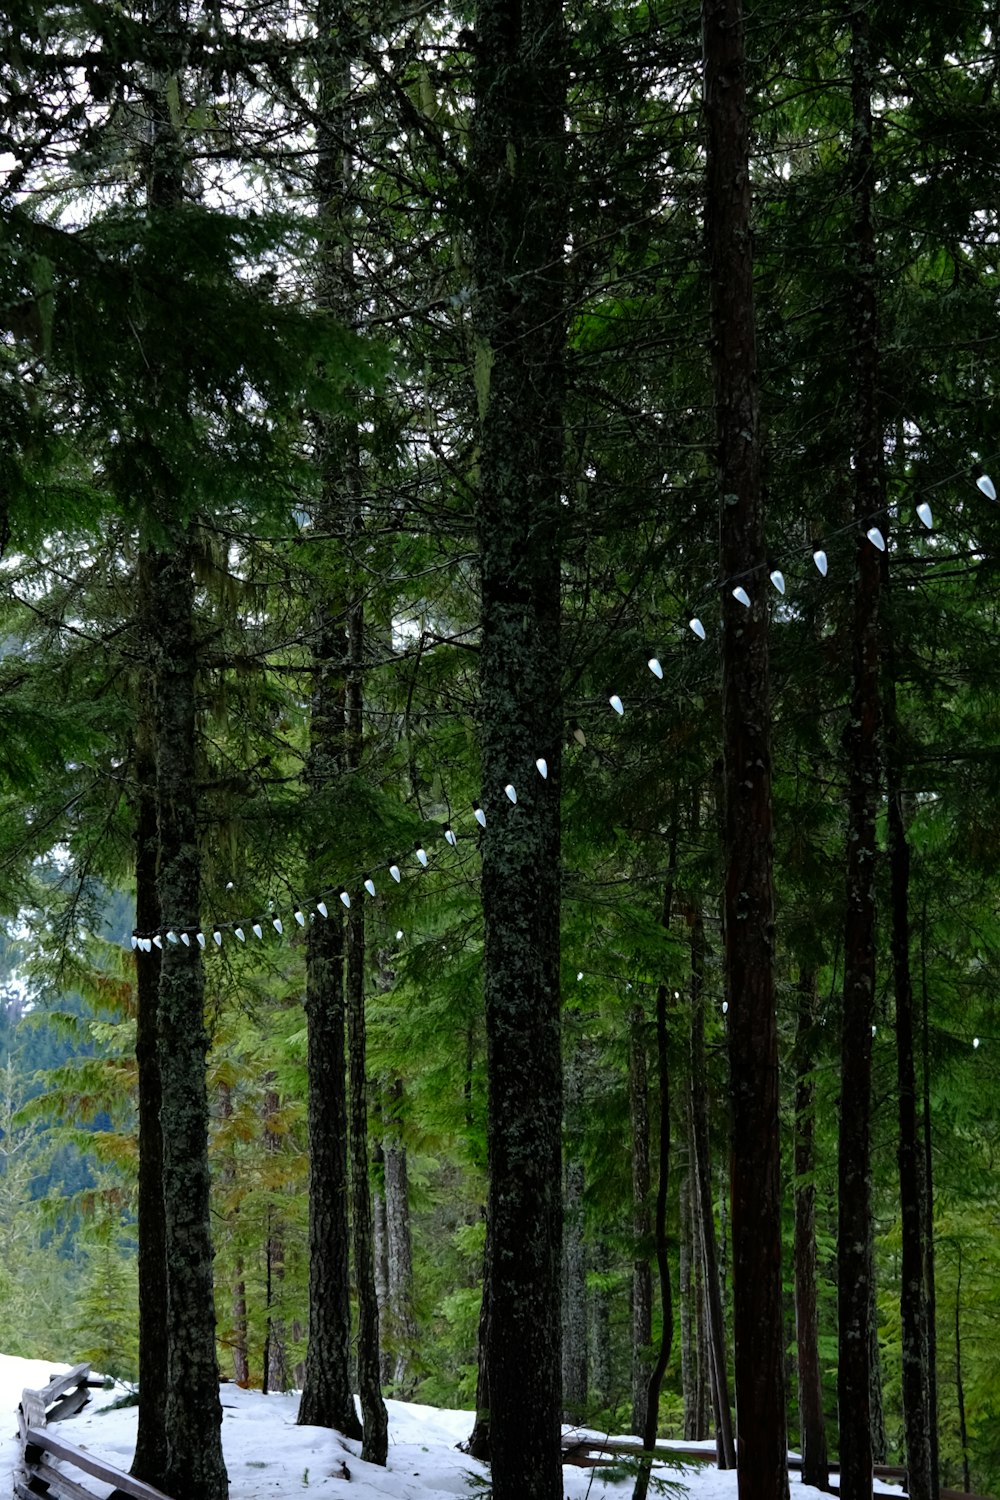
449	835
655	668
579	736
300	917
480	815
394	872
217	936
172	937
542	767
146	945
511	793
819	558
725	1007
399	934
778	579
157	940
240	934
876	538
616	703
874	1030
258	931
422	855
185	940
697	627
277	925
579	976
985	483
741	596
322	908
369	886
925	514
201	939
975	1041
135	941
345	898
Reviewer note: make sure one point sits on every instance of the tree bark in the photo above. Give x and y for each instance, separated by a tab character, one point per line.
574	1284
642	1276
195	1465
855	1264
715	1330
748	920
812	1421
518	236
400	1249
275	1374
917	1417
375	1421
149	1462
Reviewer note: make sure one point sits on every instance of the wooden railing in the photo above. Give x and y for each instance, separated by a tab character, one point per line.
42	1450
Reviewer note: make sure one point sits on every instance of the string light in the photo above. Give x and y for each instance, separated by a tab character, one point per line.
145	943
975	1041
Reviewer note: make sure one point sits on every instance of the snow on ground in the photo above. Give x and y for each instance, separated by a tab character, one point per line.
270	1458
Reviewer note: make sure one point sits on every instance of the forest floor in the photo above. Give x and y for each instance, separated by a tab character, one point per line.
270	1458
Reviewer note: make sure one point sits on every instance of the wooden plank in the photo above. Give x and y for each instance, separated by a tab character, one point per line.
60	1484
59	1383
69	1404
33	1407
90	1464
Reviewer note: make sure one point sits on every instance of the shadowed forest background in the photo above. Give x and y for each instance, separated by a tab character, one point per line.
386	442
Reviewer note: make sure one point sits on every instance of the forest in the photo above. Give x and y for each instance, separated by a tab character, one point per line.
499	723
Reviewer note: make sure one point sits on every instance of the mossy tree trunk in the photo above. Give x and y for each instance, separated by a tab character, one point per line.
748	912
518	236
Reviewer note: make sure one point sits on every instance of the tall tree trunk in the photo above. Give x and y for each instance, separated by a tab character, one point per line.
689	1333
715	1331
195	1466
327	1400
380	1230
400	1248
150	1460
812	1423
237	1338
912	1294
517	173
928	1201
855	1263
275	1375
748	922
375	1445
642	1276
574	1288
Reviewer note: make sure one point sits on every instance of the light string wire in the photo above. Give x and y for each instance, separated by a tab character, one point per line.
319	905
